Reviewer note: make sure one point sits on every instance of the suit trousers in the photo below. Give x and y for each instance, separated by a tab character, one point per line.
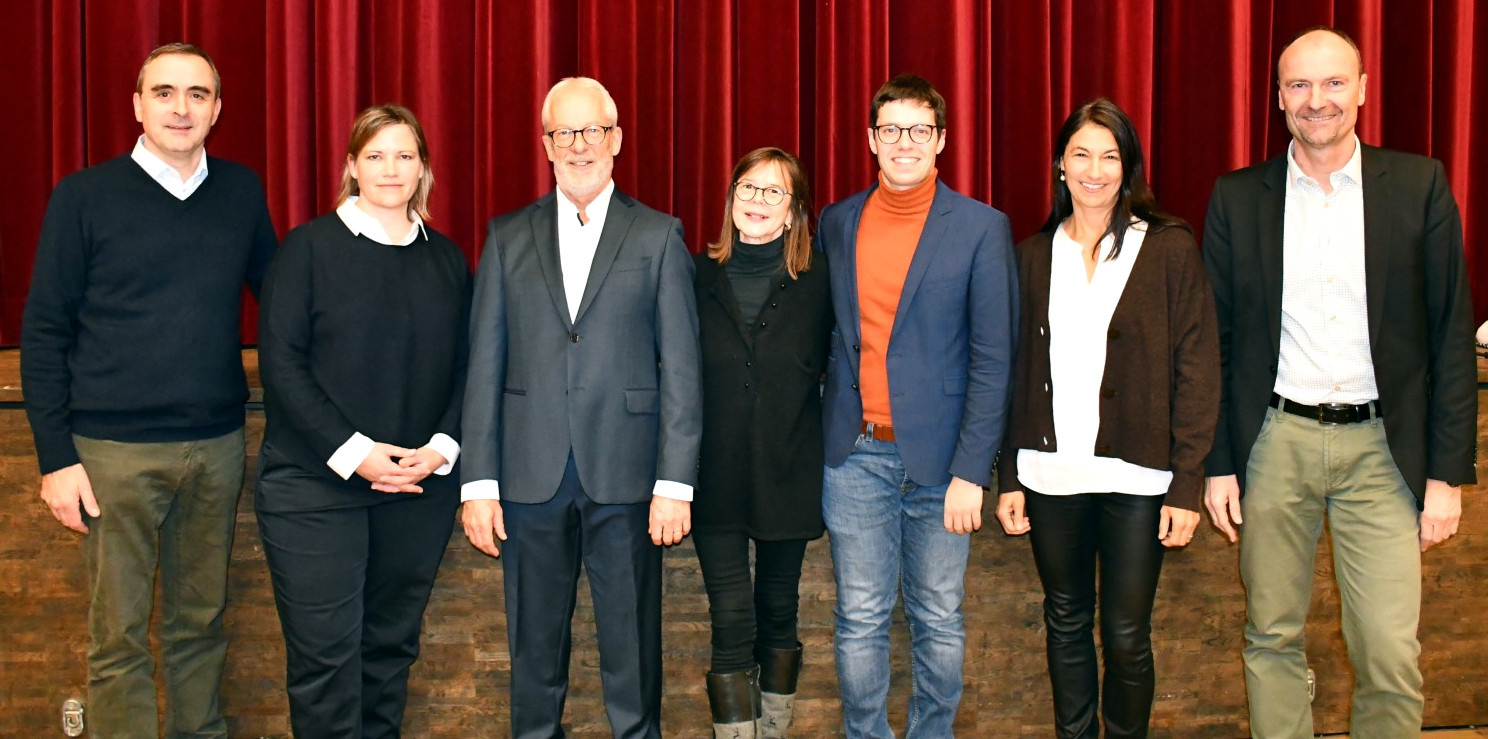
746	615
171	505
1299	472
1071	535
351	585
546	545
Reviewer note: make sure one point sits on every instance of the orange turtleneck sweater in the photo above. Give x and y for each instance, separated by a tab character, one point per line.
888	232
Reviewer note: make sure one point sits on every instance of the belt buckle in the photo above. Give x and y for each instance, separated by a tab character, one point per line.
1335	414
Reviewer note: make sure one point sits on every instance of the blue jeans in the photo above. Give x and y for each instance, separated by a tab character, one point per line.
888	532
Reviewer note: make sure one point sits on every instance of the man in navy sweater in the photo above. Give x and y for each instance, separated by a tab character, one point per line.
134	388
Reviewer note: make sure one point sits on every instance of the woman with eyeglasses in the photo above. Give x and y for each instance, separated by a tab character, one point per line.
1115	399
764	317
362	348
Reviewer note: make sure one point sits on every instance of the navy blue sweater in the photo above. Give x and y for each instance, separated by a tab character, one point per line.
131	330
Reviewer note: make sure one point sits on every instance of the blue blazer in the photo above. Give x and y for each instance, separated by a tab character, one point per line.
951	348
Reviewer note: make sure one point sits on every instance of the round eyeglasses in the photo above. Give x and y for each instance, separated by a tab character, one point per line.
919	133
772	195
564	137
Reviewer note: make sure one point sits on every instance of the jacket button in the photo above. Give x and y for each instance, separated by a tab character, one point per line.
1107	392
855	386
1113	334
746	386
774	305
749	364
856	349
573	338
1046	387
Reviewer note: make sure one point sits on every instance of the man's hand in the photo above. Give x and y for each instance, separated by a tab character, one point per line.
1440	514
671	520
481	519
1176	526
1222	498
382	470
68	492
1010	513
963	506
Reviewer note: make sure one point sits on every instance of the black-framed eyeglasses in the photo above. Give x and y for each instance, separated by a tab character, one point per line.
919	133
564	137
773	195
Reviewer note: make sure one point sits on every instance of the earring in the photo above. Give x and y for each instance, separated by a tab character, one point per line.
1061	175
787	225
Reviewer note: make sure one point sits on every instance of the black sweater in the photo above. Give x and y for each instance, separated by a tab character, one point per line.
357	336
131	330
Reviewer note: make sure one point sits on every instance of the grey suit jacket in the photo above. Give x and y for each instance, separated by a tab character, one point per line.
619	385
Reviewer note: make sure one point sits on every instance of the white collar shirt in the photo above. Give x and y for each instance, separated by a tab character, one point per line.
362	223
1325	356
577	242
166	175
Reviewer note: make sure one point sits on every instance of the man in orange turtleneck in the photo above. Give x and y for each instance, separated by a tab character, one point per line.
925	293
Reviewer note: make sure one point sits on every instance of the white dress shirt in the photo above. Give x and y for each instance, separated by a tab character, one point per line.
577	243
1325	354
166	175
350	455
1079	315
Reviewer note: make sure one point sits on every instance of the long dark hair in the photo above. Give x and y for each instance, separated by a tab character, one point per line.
1135	198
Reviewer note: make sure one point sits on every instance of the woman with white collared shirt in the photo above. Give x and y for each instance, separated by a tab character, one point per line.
1115	399
362	350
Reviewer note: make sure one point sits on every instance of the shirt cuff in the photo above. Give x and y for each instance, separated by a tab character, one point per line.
674	490
480	490
448	447
349	457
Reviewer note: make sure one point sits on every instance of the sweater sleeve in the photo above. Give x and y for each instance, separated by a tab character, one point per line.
284	355
49	328
1196	374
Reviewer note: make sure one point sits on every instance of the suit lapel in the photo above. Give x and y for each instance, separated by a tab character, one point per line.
1272	220
545	235
848	285
617	224
932	239
1377	237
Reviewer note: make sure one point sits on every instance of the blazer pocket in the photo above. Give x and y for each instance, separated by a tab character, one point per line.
515	391
642	401
632	265
955	385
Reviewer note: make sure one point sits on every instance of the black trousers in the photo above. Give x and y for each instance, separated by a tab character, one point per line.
546	544
1072	534
351	585
747	615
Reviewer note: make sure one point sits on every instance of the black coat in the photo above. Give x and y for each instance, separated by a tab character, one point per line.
761	464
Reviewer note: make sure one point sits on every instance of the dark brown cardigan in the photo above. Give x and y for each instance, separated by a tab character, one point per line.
1160	390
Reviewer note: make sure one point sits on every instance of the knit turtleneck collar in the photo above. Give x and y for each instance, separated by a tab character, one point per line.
766	256
916	200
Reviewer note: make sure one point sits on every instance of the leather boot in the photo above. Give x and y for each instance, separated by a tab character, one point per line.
779	669
734	699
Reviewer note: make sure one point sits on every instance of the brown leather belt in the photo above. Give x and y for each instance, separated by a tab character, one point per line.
1328	414
877	431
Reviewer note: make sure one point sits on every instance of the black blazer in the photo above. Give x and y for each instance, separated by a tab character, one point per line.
1420	316
761	464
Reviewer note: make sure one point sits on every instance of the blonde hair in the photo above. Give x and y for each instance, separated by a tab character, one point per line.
367	125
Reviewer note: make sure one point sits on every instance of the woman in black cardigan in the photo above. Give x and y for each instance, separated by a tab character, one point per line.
764	315
362	347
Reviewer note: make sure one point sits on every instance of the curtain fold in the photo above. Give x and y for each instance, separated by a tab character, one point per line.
699	84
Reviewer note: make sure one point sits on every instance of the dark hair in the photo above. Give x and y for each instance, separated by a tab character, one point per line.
1134	199
186	49
366	126
1340	33
798	235
912	88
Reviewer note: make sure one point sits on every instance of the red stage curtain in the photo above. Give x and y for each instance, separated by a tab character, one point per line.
699	83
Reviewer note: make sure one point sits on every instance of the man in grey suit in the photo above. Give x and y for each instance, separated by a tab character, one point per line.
582	418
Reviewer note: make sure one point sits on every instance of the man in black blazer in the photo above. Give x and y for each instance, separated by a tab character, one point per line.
1349	390
583	417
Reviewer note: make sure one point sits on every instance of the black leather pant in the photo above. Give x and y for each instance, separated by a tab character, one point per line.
748	615
1071	533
